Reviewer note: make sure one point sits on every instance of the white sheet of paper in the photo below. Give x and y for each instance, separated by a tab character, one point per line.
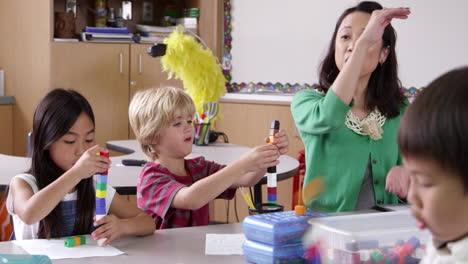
56	249
224	244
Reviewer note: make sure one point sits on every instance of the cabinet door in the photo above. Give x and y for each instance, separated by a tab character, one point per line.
100	72
6	131
146	72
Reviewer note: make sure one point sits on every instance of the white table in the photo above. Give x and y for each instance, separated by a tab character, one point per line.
177	245
124	178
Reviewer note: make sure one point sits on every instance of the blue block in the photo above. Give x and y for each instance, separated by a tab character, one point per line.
272	197
100	210
101	178
100	202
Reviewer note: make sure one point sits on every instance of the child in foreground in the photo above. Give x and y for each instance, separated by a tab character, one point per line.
56	197
176	191
433	139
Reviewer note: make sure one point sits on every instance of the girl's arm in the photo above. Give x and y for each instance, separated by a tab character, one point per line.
32	207
203	191
124	219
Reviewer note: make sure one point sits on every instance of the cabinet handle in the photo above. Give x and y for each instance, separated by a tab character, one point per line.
121	63
140	64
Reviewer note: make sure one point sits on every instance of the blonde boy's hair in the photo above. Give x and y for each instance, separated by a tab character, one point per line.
153	109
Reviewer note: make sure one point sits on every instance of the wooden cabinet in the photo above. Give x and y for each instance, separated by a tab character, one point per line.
100	72
146	72
6	129
108	75
248	124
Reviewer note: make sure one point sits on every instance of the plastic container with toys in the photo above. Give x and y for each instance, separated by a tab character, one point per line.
390	237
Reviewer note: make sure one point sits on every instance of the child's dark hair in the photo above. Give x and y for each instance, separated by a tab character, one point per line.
54	116
384	89
435	125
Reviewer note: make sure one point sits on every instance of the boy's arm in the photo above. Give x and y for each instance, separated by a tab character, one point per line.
281	141
205	190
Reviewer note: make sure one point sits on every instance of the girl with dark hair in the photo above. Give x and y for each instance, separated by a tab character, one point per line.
349	124
56	197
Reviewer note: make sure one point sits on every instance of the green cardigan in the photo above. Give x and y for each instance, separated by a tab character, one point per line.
340	155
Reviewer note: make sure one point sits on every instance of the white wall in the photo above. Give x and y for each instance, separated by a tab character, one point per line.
285	40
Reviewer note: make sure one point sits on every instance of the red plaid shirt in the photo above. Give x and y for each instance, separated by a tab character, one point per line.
157	187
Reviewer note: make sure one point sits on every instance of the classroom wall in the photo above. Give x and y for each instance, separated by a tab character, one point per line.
284	41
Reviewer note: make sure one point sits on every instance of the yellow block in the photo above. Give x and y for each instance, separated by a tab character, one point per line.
101	194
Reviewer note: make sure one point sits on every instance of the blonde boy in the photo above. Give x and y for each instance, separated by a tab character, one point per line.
176	191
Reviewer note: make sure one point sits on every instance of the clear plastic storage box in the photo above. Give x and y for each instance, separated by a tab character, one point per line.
277	228
390	237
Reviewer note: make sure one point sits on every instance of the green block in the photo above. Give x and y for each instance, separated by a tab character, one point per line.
102	186
82	240
70	242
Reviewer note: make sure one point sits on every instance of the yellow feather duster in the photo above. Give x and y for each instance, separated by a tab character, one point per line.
195	65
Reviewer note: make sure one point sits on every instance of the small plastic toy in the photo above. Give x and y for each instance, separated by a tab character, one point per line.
75	241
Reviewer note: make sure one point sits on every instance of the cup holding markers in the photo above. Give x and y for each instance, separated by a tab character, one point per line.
101	192
202	134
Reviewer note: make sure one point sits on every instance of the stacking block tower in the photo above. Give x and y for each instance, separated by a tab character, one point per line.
271	171
101	191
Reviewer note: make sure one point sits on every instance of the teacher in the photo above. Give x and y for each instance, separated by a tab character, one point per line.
349	123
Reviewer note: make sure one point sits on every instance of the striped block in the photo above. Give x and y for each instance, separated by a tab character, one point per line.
101	194
75	241
101	178
101	186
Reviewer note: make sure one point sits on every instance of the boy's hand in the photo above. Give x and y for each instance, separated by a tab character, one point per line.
261	157
398	181
90	163
281	141
111	228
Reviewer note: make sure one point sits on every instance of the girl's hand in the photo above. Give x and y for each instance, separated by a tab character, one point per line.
398	181
379	20
91	163
111	228
261	157
281	141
